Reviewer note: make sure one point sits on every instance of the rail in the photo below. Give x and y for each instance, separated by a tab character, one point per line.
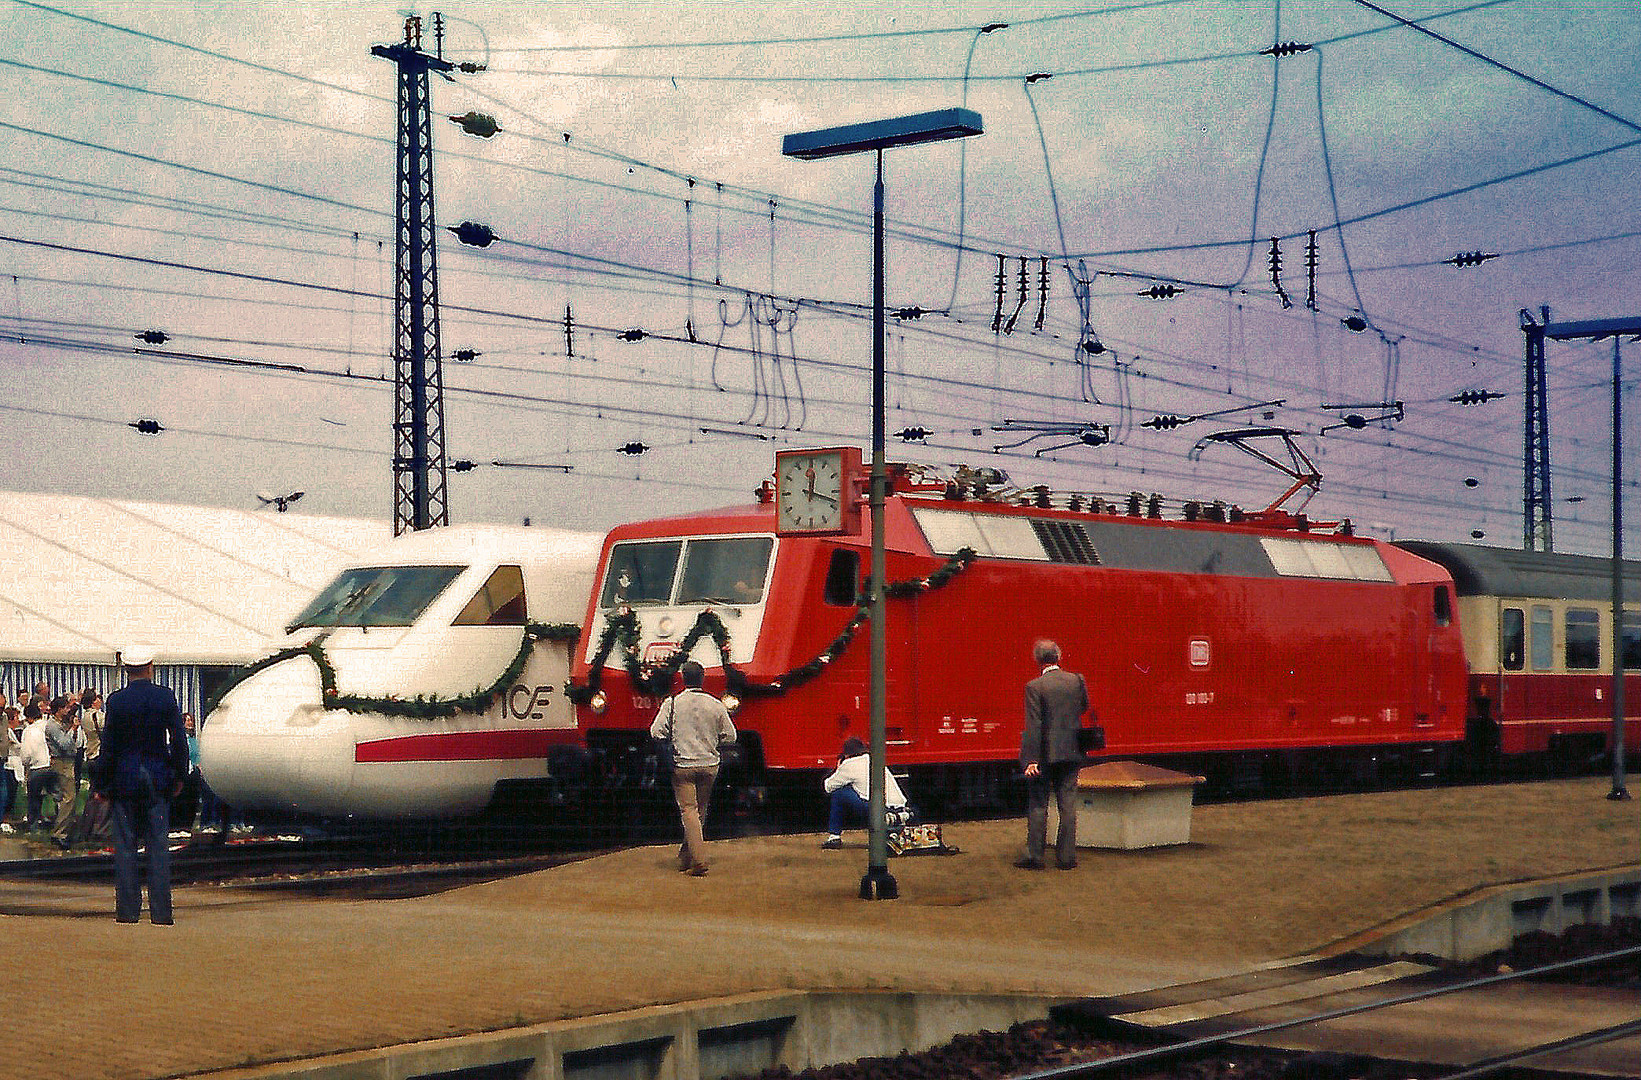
1090	1068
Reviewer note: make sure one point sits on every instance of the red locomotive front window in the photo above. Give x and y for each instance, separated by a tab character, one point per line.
641	573
727	571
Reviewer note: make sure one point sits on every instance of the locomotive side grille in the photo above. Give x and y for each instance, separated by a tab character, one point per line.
1066	542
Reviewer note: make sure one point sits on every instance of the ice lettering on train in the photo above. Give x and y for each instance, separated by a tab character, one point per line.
535	699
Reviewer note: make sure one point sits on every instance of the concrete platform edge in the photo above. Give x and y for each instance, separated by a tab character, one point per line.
696	1040
1486	920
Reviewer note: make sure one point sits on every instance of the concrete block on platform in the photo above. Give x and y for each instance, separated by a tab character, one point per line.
1126	805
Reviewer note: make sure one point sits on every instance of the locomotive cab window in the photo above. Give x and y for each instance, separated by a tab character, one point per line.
377	596
499	601
730	570
1583	627
843	578
1443	606
1512	638
641	573
1542	638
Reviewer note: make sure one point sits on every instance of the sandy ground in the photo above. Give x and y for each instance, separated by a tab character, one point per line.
241	980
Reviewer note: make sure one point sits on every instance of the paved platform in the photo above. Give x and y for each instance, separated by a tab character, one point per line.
245	978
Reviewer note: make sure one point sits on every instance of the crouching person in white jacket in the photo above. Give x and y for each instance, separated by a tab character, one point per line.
850	789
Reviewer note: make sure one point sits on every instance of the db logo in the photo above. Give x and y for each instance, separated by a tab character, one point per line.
527	702
1199	653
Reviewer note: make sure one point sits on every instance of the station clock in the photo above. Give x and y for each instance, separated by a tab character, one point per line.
817	491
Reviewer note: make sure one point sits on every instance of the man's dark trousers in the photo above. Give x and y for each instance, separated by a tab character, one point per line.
1060	777
145	817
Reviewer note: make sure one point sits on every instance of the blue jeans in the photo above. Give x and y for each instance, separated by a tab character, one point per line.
847	808
145	817
8	789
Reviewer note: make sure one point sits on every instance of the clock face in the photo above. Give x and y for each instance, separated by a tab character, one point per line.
809	492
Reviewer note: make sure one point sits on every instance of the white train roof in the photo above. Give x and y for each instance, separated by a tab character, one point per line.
83	577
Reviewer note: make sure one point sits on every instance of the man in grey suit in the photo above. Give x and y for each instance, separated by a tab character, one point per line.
1050	756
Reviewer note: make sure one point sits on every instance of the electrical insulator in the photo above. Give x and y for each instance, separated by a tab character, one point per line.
992	28
473	233
1038	76
1153	506
1471	481
913	434
1355	421
470	68
1276	273
1355	324
1475	397
1470	258
1134	498
1095	436
476	123
1040	497
1162	292
463	466
634	334
1094	346
465	356
1287	48
634	448
909	313
154	337
147	426
1166	422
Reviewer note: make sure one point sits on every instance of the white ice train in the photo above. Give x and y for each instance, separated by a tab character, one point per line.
438	615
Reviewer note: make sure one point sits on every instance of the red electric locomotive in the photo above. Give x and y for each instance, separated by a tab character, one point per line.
1231	647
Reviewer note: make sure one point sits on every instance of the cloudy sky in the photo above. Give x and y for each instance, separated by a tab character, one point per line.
224	174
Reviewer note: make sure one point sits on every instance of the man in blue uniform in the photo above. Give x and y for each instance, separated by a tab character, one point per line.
141	767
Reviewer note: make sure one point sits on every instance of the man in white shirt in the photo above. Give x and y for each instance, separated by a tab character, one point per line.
850	787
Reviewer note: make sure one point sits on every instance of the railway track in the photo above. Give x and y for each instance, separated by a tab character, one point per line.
359	867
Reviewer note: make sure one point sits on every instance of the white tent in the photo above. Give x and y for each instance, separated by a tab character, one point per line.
207	587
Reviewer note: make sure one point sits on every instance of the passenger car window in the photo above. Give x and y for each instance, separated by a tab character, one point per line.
377	596
1512	638
1583	638
1444	606
1631	632
1542	638
725	571
499	601
641	573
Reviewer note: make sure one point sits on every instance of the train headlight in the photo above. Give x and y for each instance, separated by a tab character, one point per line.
598	702
731	703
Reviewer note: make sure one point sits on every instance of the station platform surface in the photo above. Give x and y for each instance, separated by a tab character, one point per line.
245	978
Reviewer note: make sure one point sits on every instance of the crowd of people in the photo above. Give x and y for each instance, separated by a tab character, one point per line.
52	742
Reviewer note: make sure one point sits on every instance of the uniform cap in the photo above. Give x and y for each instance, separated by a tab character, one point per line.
138	656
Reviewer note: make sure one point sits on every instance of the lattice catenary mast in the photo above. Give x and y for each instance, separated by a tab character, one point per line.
418	425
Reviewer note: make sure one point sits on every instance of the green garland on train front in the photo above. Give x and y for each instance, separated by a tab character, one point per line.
420	707
656	679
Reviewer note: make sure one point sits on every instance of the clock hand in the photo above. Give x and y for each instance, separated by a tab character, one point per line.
823	495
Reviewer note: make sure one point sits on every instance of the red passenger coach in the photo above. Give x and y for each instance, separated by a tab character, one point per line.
1218	645
1538	631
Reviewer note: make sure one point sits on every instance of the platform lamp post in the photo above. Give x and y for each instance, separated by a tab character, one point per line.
879	135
